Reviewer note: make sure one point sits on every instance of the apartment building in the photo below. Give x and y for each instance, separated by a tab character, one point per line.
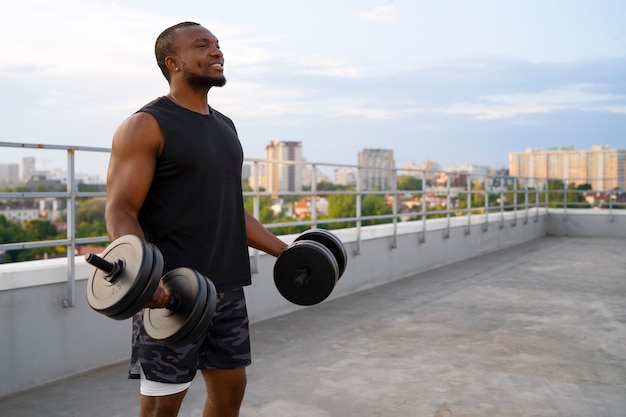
377	169
9	173
285	168
601	167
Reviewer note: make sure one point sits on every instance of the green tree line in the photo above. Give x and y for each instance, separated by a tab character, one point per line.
89	223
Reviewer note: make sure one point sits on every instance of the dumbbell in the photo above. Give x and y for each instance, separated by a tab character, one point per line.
126	276
308	270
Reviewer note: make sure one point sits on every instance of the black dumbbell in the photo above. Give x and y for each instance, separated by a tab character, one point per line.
127	275
308	270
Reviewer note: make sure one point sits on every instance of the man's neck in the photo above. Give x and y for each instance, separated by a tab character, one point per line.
195	101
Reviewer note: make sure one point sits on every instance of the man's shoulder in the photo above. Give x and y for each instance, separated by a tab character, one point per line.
156	103
222	116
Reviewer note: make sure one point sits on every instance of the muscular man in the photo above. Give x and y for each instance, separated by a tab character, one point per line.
174	179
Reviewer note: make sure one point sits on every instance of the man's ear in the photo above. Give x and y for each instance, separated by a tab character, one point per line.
170	63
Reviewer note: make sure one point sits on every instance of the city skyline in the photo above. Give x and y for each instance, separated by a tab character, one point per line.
375	158
453	82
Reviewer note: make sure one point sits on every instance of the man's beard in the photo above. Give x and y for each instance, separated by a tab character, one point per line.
205	81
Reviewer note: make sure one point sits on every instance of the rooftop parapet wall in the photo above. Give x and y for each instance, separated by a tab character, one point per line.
586	223
44	342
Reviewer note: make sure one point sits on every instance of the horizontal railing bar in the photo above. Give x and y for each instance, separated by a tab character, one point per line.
53	147
31	245
90	194
49	243
35	194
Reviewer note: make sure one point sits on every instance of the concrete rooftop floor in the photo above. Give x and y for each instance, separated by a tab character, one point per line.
534	330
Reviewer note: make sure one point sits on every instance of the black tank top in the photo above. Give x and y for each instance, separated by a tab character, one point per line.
194	209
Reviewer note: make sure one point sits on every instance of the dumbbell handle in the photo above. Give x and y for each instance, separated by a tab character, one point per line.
112	269
172	303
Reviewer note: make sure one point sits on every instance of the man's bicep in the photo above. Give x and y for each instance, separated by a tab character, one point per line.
135	149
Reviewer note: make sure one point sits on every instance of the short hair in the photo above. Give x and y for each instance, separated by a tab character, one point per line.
164	45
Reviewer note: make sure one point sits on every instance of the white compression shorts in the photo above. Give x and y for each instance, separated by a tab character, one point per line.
159	389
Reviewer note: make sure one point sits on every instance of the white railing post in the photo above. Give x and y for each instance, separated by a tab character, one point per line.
394	206
70	300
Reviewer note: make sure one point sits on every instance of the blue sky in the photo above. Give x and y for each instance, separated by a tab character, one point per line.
453	81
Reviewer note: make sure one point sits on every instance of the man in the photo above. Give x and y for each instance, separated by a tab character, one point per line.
174	178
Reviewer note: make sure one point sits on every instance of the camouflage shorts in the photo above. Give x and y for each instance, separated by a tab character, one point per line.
226	345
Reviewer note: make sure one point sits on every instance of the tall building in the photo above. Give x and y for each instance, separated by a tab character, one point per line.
307	176
460	174
601	167
28	168
280	176
345	176
9	173
257	172
377	171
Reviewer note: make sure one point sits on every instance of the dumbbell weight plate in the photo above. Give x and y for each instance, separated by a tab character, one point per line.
332	242
313	259
176	326
112	297
151	285
205	320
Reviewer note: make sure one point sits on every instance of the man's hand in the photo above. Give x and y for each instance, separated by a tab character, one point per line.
160	299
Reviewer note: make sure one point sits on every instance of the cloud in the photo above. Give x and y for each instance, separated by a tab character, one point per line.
370	113
381	14
324	65
73	37
581	97
247	53
279	102
261	101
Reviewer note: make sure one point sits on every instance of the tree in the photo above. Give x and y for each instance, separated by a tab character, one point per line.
90	211
375	205
328	186
509	196
39	230
555	190
10	232
478	196
341	206
266	215
576	195
93	229
409	183
344	205
90	218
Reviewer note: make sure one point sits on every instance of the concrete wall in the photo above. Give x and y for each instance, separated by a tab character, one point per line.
586	223
42	342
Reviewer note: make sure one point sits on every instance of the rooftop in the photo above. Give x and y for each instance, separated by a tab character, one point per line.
538	329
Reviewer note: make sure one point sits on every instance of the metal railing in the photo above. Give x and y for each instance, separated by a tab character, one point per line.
431	195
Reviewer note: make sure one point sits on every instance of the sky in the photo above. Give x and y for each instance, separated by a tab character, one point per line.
454	81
